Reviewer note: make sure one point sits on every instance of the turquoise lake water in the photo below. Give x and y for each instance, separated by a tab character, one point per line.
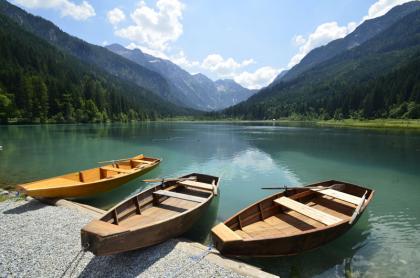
384	243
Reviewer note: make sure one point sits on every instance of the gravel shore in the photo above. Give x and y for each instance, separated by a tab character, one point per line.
44	241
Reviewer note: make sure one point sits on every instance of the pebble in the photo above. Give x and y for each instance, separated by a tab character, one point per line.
43	241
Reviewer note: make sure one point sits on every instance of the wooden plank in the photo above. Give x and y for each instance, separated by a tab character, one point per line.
102	228
318	215
225	233
195	184
142	161
340	195
180	196
120	170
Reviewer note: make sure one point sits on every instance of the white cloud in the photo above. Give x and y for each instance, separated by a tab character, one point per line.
299	40
381	7
181	60
323	34
224	67
257	79
155	28
115	16
67	8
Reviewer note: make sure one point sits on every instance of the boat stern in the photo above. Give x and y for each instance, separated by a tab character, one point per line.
98	237
223	237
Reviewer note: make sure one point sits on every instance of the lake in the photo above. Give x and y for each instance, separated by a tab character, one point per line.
248	156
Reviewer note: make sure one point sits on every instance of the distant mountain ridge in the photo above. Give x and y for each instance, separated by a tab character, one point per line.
197	90
88	53
40	83
361	34
354	83
159	76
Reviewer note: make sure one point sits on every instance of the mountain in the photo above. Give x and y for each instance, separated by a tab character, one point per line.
231	93
361	34
89	53
196	91
352	84
41	83
279	77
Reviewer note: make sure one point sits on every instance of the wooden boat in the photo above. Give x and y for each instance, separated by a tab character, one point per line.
91	181
152	216
293	221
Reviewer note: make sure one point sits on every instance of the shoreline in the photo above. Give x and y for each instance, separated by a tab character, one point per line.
406	124
50	251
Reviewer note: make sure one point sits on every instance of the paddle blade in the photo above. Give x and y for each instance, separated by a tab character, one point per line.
357	210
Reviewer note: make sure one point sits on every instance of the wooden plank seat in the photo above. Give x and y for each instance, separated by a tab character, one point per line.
180	196
308	211
340	195
226	233
142	161
108	168
196	184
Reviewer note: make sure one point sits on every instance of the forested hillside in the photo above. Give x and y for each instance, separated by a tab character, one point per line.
39	83
378	79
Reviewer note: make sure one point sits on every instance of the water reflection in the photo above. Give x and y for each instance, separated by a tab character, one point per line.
385	241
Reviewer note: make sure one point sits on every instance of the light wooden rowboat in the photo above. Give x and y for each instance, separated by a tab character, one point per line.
293	221
152	216
91	181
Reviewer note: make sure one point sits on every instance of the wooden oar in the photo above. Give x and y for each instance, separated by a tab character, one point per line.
335	186
171	179
358	208
115	160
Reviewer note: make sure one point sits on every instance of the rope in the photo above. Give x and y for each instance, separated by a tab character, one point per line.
196	259
75	261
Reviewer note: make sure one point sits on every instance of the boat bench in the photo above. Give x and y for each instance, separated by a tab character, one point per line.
182	196
308	211
340	195
142	161
195	184
107	168
225	233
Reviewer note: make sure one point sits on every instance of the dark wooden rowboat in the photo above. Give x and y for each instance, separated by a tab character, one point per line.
153	216
293	221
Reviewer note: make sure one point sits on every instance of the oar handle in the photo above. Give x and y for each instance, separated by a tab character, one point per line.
170	179
296	187
115	160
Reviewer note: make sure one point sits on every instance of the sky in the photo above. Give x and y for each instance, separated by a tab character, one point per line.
250	41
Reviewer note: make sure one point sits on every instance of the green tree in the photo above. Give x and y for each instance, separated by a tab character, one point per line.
5	108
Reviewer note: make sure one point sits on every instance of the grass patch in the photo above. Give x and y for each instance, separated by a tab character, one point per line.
12	197
377	123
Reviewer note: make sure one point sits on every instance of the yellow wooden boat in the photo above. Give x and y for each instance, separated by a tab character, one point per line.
91	181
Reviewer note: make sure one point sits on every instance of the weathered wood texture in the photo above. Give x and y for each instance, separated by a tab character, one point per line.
291	222
155	215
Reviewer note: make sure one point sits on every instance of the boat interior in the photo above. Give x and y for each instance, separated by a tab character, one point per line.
160	203
295	211
95	174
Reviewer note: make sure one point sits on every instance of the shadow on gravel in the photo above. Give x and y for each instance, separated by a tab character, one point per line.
30	206
129	264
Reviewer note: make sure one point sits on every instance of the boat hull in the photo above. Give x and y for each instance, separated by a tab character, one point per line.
53	188
284	245
141	238
277	247
127	239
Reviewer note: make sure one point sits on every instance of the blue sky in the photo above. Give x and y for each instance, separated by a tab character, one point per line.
250	41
